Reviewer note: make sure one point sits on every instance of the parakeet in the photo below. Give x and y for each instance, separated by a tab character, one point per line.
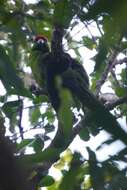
74	78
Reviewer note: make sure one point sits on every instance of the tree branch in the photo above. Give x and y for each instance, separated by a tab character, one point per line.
108	68
12	175
115	78
56	43
122	100
121	61
20	118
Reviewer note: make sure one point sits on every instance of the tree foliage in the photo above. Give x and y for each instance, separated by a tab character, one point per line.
23	110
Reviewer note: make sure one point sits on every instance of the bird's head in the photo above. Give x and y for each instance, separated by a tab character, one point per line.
40	43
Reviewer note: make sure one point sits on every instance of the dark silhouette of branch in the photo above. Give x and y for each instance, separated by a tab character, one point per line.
20	110
108	68
114	77
12	175
118	102
121	61
56	43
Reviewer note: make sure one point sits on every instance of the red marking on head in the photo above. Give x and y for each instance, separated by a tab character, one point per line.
39	37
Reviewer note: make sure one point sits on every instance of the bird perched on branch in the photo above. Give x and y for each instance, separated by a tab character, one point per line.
46	67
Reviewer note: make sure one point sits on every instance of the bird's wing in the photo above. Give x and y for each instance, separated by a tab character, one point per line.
78	86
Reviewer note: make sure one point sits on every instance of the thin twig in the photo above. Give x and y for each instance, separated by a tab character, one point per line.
20	118
115	78
108	68
70	39
99	29
93	38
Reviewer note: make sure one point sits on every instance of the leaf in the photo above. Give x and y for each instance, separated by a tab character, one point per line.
73	177
107	142
46	137
63	13
10	108
65	113
124	76
50	116
49	154
35	115
49	128
84	134
3	98
88	42
46	181
100	57
38	144
23	144
8	75
93	129
65	160
95	171
40	99
121	91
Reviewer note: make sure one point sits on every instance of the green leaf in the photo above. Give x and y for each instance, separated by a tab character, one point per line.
124	76
93	129
40	99
121	91
38	144
88	42
35	115
123	46
23	144
49	128
100	57
65	113
49	115
3	98
97	178
73	177
49	154
63	13
84	134
10	108
46	181
9	76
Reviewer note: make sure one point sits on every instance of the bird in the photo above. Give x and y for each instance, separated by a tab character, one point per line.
46	67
